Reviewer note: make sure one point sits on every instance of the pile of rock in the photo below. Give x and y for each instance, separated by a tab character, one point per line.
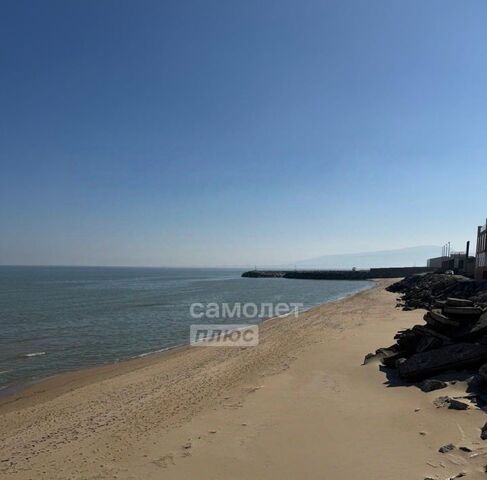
423	291
451	345
453	338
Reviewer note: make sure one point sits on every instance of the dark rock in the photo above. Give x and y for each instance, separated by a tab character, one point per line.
428	343
390	359
459	302
474	382
446	448
483	373
457	405
481	399
389	355
424	291
483	432
462	312
432	384
474	331
399	362
407	340
432	290
458	475
436	319
426	331
455	356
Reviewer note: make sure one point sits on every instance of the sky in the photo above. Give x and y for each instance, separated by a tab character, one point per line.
190	133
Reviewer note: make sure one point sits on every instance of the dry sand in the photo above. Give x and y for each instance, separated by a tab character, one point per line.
298	406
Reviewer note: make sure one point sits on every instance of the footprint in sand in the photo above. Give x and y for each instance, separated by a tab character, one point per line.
186	449
165	461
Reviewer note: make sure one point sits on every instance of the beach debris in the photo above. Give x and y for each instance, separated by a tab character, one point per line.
431	384
465	449
447	448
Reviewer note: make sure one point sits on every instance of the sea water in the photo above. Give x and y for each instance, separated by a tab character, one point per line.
55	319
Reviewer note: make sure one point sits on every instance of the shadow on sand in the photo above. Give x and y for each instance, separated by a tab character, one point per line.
467	381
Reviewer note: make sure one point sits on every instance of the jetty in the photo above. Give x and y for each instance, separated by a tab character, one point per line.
392	272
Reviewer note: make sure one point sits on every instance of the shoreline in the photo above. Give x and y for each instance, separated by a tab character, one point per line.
299	405
27	388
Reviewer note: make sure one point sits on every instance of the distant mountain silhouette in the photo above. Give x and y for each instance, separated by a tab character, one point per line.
403	257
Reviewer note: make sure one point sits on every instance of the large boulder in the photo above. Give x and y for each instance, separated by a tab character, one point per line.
473	331
456	356
458	302
462	313
432	384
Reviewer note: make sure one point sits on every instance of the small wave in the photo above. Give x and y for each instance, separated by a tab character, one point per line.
4	371
152	352
34	354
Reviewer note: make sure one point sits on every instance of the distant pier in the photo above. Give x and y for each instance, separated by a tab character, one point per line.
393	272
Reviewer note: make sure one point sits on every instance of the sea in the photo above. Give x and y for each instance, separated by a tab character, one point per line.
58	319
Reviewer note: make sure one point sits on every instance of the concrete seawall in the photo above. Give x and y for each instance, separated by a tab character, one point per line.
393	272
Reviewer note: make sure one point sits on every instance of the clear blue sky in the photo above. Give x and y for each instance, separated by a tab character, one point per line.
238	132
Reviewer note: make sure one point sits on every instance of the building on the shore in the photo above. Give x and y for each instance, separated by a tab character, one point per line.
481	258
459	262
437	262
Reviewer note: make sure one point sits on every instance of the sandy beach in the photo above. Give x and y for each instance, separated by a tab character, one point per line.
299	405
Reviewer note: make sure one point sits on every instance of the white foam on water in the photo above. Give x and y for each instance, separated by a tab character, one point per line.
35	354
157	351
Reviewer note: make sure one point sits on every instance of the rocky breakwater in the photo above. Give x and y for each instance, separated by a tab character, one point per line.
370	274
423	291
449	348
264	274
454	336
